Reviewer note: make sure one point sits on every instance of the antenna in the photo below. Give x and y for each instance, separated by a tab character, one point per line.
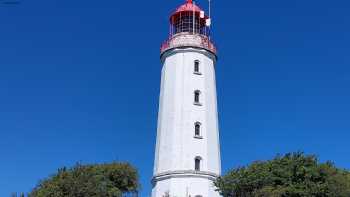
209	20
194	17
209	1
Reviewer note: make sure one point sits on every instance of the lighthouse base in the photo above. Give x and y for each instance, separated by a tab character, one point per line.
184	185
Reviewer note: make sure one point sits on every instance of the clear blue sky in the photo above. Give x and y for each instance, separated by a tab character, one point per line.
79	81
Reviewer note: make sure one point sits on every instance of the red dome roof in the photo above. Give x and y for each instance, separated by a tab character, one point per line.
188	7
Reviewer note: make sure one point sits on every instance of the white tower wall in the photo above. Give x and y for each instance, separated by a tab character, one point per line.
177	146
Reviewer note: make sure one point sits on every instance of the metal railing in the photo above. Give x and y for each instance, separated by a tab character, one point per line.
190	40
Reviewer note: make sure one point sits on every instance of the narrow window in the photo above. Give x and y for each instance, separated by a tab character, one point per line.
197	129
197	164
196	96
196	66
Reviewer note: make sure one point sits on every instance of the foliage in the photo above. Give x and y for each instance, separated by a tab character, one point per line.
101	180
291	175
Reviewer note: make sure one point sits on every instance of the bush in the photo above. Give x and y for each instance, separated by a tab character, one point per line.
291	175
107	180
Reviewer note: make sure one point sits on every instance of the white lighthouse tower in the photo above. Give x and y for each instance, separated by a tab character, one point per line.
187	158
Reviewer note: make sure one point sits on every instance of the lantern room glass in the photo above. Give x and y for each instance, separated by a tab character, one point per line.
188	22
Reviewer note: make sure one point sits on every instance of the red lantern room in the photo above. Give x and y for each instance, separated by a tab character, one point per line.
189	27
189	18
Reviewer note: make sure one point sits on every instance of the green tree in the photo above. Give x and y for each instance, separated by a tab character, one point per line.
101	180
291	175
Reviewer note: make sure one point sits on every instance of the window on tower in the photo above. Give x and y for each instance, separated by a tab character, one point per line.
197	130
196	97
196	67
197	163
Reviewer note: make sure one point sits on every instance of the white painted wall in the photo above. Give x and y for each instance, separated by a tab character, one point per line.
182	187
176	146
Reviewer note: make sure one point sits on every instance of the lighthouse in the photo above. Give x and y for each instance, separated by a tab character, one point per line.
187	156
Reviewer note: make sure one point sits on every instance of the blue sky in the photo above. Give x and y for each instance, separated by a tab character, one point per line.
79	81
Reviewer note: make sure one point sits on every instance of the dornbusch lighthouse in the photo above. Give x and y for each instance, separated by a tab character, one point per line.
187	157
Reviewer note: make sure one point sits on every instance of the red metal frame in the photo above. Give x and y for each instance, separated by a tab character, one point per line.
204	43
187	7
183	38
